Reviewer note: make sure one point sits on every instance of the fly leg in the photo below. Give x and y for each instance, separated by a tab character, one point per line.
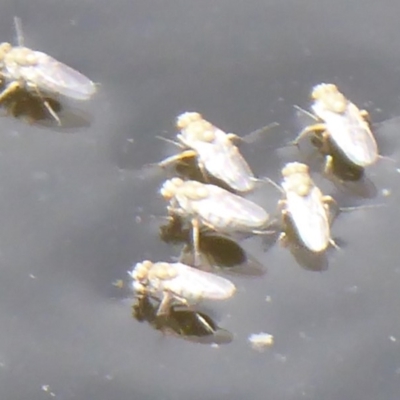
233	137
10	88
163	308
329	203
365	115
196	240
203	172
329	200
177	157
171	142
283	238
316	128
47	105
328	168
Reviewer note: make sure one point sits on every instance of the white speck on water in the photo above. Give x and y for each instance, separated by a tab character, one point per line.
261	341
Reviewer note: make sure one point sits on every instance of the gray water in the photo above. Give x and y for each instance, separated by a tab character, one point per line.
76	208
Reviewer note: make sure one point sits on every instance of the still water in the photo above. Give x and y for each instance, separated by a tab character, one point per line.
78	211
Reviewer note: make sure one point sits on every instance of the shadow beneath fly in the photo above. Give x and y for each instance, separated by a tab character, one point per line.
180	322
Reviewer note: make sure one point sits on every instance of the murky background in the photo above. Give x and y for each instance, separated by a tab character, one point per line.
76	211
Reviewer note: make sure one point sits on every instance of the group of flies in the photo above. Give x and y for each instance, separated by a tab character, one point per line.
218	203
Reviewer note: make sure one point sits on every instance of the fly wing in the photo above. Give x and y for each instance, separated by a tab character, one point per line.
54	76
310	219
193	283
352	135
226	211
223	160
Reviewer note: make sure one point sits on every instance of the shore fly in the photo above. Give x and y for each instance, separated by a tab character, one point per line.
342	124
177	282
307	208
209	206
214	150
39	73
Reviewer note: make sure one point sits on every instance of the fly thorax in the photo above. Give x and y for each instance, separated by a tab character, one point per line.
303	184
300	184
201	131
328	97
186	119
162	271
195	191
332	101
23	56
303	189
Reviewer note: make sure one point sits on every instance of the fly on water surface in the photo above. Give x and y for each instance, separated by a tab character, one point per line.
39	73
342	124
178	282
215	151
209	206
306	206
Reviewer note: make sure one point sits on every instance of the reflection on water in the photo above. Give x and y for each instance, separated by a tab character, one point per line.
306	258
180	322
30	108
217	252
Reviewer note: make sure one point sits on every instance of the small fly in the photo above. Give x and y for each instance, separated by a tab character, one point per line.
344	124
307	208
209	206
39	73
178	282
215	152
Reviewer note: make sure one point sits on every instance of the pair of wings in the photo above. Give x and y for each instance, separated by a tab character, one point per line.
351	134
222	159
51	75
310	219
227	211
189	281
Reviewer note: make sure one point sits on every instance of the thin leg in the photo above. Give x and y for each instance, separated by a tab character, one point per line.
283	239
205	324
163	308
171	142
19	32
196	241
255	135
330	202
302	110
365	115
204	172
333	243
328	169
177	157
309	129
12	87
329	199
48	106
273	183
233	137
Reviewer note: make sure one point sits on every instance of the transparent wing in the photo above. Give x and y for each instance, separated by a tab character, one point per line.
191	282
54	76
223	210
223	160
351	134
310	219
